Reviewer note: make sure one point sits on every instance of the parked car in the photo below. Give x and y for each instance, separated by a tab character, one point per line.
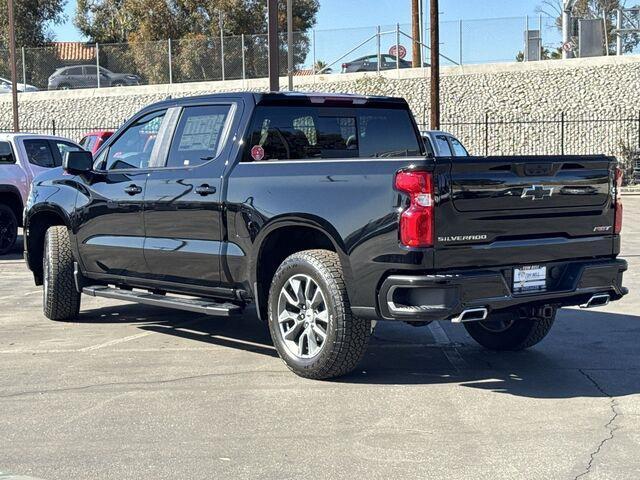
92	141
443	144
5	86
22	157
84	76
326	212
370	64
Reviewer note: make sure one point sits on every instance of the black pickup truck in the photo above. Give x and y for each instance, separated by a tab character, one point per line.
327	214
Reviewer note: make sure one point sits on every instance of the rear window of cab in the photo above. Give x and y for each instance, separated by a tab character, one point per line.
313	133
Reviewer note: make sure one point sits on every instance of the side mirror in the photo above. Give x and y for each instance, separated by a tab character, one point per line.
77	162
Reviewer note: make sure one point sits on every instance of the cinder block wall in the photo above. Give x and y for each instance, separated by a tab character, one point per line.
604	88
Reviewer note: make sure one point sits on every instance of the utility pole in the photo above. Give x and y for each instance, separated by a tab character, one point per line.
12	54
415	33
290	43
272	36
435	65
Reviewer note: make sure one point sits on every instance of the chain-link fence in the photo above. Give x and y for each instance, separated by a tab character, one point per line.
65	65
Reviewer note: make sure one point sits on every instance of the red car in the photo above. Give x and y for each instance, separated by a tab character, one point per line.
92	141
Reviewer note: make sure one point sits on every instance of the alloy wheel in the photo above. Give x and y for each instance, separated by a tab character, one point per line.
303	316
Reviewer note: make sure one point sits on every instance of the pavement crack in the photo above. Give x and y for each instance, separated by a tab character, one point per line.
611	429
141	382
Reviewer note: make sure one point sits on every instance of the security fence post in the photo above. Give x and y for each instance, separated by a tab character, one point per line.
378	48
170	62
460	41
24	71
222	45
98	63
398	48
486	134
562	133
244	65
313	36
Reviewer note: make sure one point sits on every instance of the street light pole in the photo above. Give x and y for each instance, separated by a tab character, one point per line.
272	35
435	65
12	54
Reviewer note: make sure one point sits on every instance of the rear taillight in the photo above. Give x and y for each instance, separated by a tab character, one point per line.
345	65
416	222
617	226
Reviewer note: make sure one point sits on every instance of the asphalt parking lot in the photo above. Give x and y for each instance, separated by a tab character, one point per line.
133	392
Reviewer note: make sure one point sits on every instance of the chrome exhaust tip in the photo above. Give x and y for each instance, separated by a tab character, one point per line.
471	315
598	300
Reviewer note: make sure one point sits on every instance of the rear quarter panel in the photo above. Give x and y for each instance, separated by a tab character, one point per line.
352	201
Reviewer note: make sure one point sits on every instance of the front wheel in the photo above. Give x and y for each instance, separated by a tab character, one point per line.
61	299
510	330
310	317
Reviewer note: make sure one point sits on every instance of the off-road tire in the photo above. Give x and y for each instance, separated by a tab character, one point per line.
523	333
61	300
347	335
9	227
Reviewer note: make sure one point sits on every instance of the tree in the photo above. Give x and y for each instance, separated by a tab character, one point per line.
33	19
595	9
112	21
545	54
194	26
321	66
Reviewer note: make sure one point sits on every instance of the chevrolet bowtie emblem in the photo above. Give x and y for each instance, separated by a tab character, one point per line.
537	192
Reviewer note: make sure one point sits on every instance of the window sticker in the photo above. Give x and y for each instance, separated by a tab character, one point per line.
257	152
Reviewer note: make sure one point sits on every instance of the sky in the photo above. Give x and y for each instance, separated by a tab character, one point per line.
490	31
336	14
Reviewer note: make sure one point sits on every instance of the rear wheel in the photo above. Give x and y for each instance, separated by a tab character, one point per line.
61	300
8	229
510	330
64	86
310	317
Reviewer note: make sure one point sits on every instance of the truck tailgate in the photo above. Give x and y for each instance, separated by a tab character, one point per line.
519	210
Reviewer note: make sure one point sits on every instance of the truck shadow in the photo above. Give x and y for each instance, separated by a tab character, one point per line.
587	354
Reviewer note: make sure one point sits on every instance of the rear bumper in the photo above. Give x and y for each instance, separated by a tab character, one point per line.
445	295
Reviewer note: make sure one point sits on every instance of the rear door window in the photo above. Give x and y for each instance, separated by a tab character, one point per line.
198	137
39	153
458	148
444	150
309	133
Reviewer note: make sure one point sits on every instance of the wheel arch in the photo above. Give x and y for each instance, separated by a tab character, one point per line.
283	237
37	223
10	196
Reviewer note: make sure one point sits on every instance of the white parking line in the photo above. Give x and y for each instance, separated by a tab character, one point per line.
449	350
115	342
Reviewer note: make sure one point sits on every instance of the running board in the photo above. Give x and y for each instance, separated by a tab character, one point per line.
198	305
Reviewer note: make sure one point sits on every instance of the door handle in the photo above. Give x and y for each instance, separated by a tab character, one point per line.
133	189
205	190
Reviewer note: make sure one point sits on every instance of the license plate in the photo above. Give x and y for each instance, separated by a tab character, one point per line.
529	278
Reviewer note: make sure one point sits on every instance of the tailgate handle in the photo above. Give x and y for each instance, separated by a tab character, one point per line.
538	169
